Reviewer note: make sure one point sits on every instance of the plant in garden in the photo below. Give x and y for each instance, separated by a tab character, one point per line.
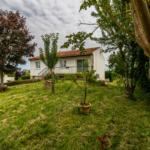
101	140
50	57
3	88
49	76
14	42
84	73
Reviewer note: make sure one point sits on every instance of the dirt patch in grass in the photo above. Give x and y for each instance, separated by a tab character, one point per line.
23	106
42	108
86	134
33	120
43	116
4	121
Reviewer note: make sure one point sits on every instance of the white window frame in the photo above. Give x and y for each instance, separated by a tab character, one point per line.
64	66
36	64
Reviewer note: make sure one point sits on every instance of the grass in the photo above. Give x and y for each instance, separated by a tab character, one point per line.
33	118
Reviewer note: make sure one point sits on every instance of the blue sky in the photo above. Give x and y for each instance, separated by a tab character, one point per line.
53	16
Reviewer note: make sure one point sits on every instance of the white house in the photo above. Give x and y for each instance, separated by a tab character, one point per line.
70	62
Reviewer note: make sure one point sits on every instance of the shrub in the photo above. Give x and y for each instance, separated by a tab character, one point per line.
21	82
56	77
48	76
109	74
3	88
102	82
70	76
91	78
27	76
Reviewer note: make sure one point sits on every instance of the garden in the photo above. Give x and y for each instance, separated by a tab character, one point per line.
34	118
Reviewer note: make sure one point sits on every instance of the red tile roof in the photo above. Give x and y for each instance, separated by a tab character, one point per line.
71	53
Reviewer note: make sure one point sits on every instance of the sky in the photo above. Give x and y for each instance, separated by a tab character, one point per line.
53	16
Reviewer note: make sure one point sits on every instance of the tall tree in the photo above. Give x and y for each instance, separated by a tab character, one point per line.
50	58
129	60
14	42
138	9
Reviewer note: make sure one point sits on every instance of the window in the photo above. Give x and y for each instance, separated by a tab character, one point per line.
80	65
63	64
37	64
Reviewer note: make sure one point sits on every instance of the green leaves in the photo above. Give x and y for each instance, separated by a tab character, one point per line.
77	40
15	41
49	54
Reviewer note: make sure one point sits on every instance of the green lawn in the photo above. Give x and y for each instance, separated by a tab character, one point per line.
33	118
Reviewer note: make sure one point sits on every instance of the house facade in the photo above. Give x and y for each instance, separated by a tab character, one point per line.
70	62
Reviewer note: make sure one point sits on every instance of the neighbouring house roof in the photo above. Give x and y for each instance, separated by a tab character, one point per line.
71	53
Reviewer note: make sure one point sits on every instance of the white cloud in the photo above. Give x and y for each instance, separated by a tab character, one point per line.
48	16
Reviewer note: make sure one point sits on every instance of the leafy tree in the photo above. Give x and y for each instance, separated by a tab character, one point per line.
14	42
19	73
144	81
129	60
50	58
138	11
115	63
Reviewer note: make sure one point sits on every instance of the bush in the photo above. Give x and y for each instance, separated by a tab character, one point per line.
70	76
109	74
27	76
102	82
3	88
91	78
48	76
21	82
56	77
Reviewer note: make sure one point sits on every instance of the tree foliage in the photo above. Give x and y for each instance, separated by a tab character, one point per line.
14	42
49	54
138	11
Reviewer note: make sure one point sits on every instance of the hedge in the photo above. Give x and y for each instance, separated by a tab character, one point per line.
25	77
109	74
21	82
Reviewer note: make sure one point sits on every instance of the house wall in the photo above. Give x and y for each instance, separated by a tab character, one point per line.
99	64
71	62
5	78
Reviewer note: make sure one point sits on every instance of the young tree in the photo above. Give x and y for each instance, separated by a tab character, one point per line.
50	58
14	42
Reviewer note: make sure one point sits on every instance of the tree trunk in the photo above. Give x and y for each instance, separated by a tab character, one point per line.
149	69
129	88
141	19
2	78
53	81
